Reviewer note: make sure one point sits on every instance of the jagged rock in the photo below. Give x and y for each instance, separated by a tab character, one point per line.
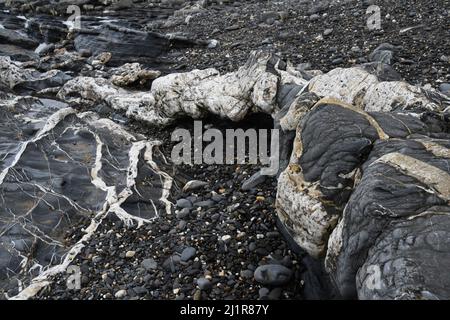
131	74
15	77
194	185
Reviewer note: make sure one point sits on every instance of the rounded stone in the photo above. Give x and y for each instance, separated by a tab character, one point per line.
272	275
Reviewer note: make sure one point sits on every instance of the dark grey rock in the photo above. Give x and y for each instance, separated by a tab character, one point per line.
273	275
183	213
194	185
188	253
263	293
253	181
204	284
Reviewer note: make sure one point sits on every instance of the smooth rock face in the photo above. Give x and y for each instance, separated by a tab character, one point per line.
204	284
272	275
188	253
125	46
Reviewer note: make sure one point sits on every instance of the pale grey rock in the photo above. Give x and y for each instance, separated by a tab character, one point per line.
194	185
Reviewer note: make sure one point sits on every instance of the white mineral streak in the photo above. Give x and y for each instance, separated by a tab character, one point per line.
252	88
234	95
113	200
305	215
435	148
11	73
428	174
385	95
131	73
50	124
343	84
334	245
167	180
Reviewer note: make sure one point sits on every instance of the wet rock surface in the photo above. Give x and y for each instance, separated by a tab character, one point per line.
357	208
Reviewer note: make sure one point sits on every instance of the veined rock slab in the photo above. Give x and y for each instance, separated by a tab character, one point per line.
60	170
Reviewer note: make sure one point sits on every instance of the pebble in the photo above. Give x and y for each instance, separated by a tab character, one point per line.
226	238
327	32
314	17
275	294
188	253
120	294
194	185
445	88
253	181
184	203
197	295
130	254
273	275
337	61
444	58
183	213
263	293
149	264
247	274
204	204
204	284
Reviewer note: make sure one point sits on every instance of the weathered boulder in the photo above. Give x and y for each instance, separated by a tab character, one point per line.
360	188
233	95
